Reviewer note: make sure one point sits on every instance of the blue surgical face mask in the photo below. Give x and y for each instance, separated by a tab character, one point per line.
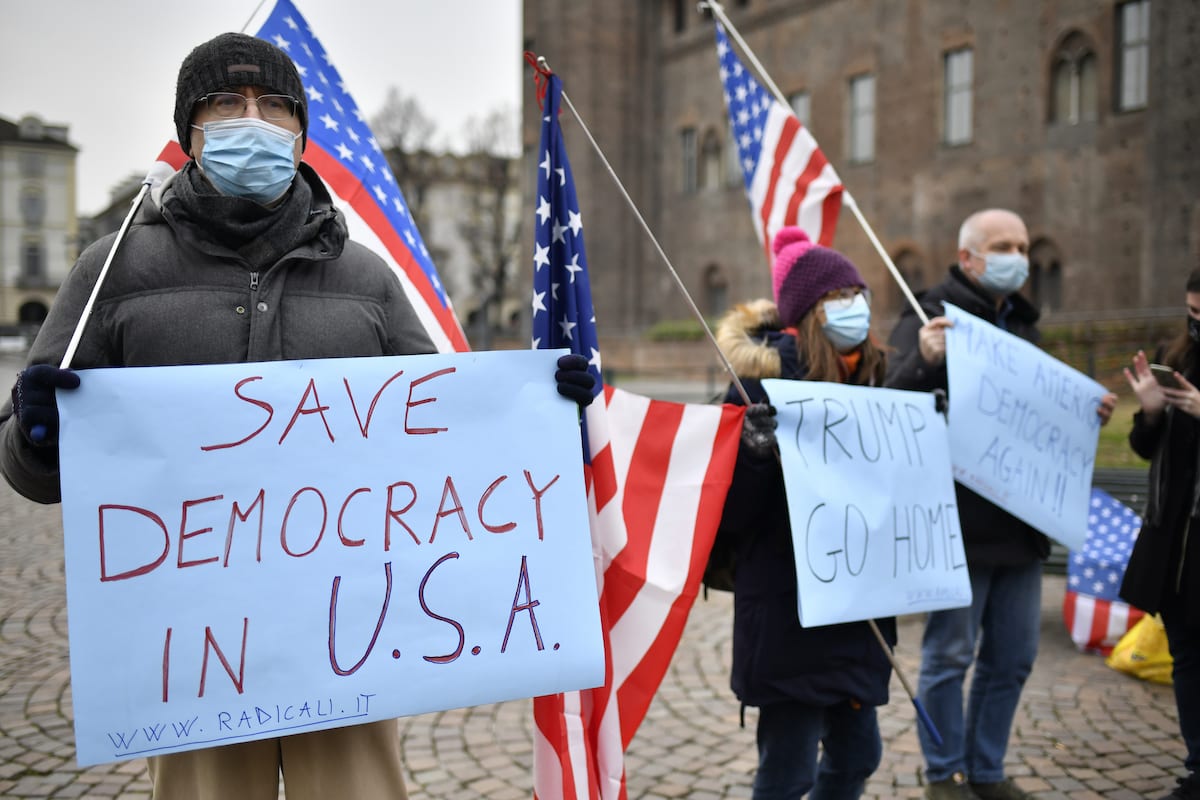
249	158
847	326
1003	273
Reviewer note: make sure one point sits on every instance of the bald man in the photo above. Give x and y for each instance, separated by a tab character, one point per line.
1004	554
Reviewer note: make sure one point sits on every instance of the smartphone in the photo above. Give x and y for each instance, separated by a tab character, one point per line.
1165	376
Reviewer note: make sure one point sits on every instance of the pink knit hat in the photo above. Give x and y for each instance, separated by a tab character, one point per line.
804	272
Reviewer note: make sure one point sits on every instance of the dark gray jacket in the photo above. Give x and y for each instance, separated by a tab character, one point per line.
176	294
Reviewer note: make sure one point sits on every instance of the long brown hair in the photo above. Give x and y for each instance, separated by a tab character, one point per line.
1181	352
822	358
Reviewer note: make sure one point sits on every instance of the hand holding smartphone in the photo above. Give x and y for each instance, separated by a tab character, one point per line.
1165	376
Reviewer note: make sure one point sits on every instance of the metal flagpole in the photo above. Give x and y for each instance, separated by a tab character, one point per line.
924	717
112	251
847	199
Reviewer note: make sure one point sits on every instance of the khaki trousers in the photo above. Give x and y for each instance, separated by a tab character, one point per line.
361	762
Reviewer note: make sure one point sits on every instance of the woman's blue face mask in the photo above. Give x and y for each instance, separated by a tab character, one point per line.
847	321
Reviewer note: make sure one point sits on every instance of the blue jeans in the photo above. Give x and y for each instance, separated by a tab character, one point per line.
788	735
1184	644
1004	620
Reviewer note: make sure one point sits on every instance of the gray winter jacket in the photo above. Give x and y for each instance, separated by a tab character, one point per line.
174	294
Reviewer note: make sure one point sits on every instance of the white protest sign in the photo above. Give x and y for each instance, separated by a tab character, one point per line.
871	500
255	550
1023	427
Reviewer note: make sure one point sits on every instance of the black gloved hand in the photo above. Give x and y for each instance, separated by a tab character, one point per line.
573	379
758	429
34	404
941	402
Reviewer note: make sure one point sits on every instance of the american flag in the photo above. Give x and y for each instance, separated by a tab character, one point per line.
343	151
788	179
657	473
1092	610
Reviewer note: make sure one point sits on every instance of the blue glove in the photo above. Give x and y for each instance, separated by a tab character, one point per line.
574	381
34	404
758	429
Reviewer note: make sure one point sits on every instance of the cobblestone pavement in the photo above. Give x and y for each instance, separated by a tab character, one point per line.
1083	730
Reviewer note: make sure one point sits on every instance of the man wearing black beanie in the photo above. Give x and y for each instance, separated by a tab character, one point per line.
240	256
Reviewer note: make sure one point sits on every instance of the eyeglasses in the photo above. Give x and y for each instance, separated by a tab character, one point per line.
231	105
845	298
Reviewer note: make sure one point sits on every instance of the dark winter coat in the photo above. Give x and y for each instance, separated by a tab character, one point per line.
774	659
207	279
991	536
1164	567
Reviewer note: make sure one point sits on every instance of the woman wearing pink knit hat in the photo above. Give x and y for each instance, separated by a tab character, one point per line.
816	688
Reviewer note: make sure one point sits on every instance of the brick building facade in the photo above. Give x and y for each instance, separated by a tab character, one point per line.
1081	115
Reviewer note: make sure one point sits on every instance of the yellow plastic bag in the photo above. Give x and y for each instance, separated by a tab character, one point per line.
1142	652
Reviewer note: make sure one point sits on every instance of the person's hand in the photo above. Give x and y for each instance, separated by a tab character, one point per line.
758	429
34	403
1186	398
931	340
574	381
1142	381
1105	409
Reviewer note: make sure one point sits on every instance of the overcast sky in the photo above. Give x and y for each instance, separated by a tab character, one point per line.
67	60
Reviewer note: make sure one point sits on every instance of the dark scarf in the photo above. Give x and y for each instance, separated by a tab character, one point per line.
259	234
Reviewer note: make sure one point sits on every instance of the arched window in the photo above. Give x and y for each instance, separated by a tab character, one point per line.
32	312
687	147
1045	275
1073	82
716	290
711	168
911	267
733	164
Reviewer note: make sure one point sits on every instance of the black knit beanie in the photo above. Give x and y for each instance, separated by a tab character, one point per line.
230	60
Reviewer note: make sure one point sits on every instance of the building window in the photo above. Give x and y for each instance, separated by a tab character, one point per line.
1133	58
801	103
716	290
959	76
1045	276
33	165
862	118
733	161
32	263
911	268
687	143
33	208
1073	81
711	169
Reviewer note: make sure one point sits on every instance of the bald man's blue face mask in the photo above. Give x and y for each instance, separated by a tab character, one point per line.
249	158
1003	273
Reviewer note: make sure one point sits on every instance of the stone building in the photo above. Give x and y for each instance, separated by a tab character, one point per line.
1081	115
39	232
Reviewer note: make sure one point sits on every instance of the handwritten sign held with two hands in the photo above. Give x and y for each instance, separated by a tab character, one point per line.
871	501
254	550
1023	427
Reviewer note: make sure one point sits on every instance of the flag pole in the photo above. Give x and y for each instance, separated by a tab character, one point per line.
719	11
69	355
737	382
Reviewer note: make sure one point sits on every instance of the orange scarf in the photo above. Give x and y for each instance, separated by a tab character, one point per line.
848	362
